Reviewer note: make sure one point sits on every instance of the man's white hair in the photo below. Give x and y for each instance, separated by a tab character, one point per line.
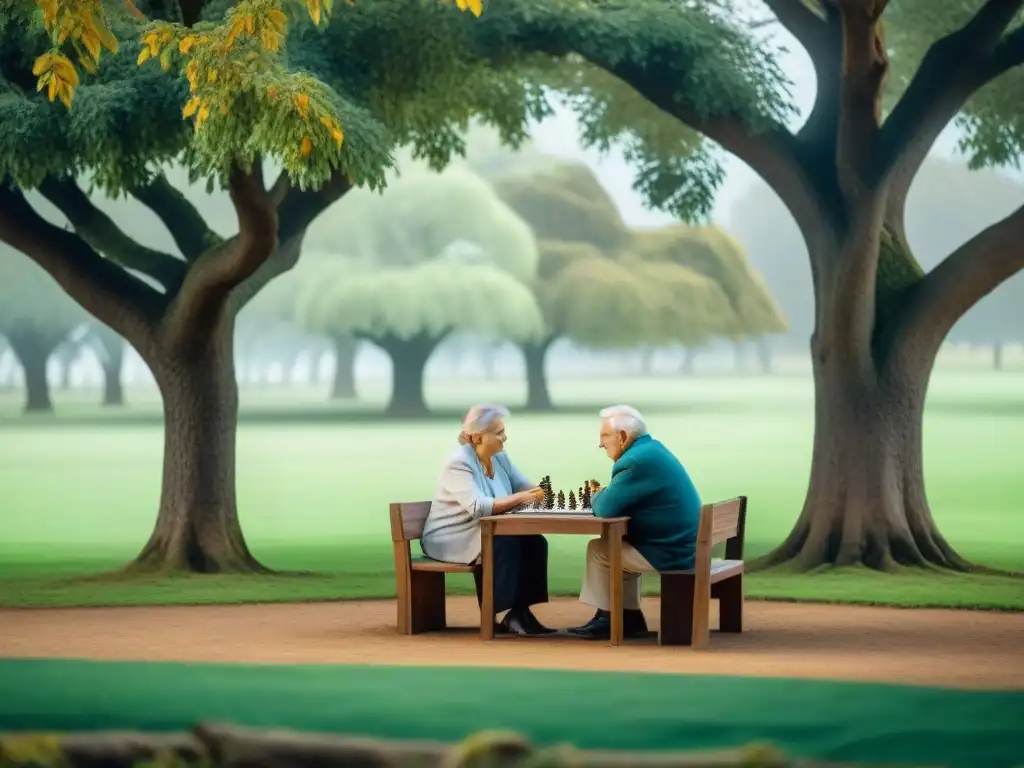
625	418
479	419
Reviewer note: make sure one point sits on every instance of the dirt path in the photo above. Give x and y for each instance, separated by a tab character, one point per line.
950	648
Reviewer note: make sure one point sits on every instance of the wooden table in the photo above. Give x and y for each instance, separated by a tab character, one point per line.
610	529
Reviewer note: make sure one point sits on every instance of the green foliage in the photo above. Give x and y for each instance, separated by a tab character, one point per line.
392	72
31	302
993	121
707	61
710	252
433	298
565	203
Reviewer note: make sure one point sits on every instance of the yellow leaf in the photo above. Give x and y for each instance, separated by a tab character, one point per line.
191	71
211	76
338	136
307	146
43	80
42	64
476	7
314	10
92	45
272	92
269	39
302	104
327	123
250	24
277	20
143	57
204	112
51	91
66	94
190	108
186	44
165	59
88	64
236	29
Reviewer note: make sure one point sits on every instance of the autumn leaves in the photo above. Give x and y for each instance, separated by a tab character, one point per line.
228	66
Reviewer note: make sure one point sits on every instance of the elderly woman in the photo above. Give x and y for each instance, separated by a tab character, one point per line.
479	480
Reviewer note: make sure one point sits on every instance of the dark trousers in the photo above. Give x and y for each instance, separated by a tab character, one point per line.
520	572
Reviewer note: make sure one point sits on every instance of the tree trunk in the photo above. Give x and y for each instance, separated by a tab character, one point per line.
344	386
408	362
866	502
535	355
197	528
739	356
33	353
689	362
764	354
997	357
113	392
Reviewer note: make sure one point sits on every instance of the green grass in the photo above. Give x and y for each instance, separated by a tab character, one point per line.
848	722
80	490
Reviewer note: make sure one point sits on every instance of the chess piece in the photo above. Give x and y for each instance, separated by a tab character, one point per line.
572	500
561	500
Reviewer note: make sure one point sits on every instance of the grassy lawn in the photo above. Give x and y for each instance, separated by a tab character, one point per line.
827	720
314	480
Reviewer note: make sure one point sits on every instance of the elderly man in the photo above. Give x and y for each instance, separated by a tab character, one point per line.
651	488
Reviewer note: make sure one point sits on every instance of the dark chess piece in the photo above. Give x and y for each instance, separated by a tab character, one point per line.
572	500
561	500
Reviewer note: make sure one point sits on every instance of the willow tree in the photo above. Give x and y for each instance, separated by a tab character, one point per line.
844	175
328	113
710	252
408	311
435	254
35	317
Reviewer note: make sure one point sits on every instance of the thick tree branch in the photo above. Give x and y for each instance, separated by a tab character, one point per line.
865	65
102	288
203	296
959	282
954	68
187	226
807	26
100	231
296	210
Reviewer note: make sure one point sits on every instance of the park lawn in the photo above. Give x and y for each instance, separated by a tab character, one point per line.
828	720
80	490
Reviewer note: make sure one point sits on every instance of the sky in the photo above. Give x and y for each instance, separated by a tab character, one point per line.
558	136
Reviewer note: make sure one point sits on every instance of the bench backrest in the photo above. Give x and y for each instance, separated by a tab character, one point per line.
407	519
723	521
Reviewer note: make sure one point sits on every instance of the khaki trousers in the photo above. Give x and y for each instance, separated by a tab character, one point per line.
597	579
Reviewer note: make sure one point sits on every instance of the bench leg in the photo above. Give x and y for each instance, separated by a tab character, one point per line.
730	603
676	610
428	602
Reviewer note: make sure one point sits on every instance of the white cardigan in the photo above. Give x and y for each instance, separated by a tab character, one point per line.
452	530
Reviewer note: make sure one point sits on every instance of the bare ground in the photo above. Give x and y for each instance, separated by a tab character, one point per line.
965	649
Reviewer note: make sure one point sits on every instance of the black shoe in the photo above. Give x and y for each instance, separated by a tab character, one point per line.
515	623
533	623
593	620
600	628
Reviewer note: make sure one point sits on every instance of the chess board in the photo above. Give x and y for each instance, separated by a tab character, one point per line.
546	511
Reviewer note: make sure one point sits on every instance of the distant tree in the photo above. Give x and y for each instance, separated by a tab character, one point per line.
604	285
436	253
35	317
712	253
109	347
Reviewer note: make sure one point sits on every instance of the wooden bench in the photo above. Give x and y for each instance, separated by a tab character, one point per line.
686	595
419	580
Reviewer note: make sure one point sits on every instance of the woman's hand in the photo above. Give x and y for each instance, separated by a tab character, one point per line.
531	496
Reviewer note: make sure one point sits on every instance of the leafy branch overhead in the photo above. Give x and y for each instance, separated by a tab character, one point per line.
234	66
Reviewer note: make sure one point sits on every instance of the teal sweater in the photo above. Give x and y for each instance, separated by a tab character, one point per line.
652	489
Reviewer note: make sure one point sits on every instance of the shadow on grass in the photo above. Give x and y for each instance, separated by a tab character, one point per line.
326	415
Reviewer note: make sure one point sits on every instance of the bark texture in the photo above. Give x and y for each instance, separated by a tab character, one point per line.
538	398
344	384
197	527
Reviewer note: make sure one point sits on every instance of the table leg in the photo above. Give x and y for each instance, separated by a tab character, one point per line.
487	582
613	542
